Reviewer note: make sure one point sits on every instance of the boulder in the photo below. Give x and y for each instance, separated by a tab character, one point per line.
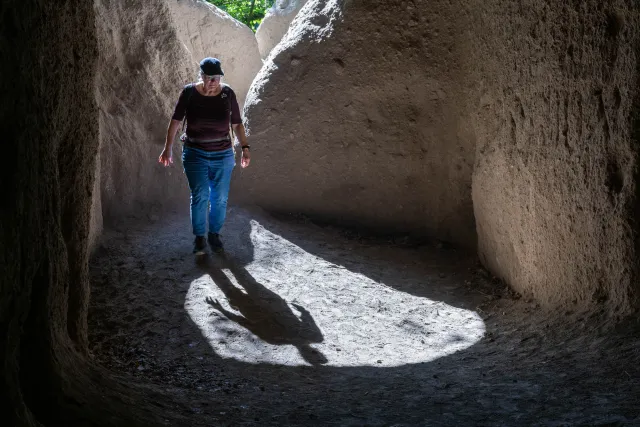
206	30
366	125
513	126
276	23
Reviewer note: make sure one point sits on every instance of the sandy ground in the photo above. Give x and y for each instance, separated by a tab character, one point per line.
299	324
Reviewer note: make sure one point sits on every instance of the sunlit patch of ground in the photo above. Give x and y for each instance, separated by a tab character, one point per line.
322	313
288	288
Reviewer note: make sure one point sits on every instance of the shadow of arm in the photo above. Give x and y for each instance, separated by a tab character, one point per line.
241	320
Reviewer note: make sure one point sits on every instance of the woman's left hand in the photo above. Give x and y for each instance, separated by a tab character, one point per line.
246	158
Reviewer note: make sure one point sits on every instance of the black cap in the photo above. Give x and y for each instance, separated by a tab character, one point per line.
211	67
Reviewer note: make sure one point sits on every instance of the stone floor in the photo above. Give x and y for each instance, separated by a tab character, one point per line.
299	324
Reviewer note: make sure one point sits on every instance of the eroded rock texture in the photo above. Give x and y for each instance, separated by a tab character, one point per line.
555	182
385	125
276	23
141	70
48	118
362	115
367	124
206	30
148	51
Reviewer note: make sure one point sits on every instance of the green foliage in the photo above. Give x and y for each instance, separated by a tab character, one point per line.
250	12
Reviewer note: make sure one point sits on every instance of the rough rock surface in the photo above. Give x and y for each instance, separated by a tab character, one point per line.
536	102
141	70
148	51
206	30
366	124
49	119
276	23
555	185
583	187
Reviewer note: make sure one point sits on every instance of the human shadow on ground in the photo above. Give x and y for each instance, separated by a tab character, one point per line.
526	371
263	312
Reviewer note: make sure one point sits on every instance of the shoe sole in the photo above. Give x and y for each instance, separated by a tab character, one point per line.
200	252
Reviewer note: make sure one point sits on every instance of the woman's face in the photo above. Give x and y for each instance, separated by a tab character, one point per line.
211	82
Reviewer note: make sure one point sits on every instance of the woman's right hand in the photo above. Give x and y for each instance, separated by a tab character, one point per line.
166	158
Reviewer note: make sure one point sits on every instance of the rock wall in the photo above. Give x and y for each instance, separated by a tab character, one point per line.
96	223
388	125
555	186
142	68
276	23
366	124
550	90
206	30
148	51
48	119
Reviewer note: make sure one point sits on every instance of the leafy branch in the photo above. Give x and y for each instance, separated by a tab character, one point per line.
249	12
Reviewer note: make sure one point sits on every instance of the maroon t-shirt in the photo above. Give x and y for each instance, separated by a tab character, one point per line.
208	117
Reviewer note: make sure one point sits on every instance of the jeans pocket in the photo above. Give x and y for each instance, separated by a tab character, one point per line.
229	161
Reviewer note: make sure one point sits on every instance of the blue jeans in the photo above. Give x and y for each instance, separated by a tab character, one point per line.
209	176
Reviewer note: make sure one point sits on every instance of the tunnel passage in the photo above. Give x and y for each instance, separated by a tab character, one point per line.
142	66
557	117
429	130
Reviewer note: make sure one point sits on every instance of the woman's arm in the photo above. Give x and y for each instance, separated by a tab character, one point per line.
238	130
166	158
179	112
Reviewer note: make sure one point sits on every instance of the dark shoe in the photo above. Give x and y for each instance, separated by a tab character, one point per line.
200	245
215	243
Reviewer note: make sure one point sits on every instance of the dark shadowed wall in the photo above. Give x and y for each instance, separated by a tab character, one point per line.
555	181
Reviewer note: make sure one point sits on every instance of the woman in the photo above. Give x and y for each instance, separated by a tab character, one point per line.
208	158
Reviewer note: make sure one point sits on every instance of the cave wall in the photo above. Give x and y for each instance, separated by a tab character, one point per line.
359	116
502	123
147	52
48	118
142	67
555	179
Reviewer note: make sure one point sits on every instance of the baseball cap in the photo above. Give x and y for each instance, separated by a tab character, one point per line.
211	66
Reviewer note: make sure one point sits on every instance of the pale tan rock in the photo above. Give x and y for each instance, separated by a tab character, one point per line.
141	70
365	124
206	30
387	126
276	23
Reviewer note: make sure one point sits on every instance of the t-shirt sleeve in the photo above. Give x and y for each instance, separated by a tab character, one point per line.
181	106
236	118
